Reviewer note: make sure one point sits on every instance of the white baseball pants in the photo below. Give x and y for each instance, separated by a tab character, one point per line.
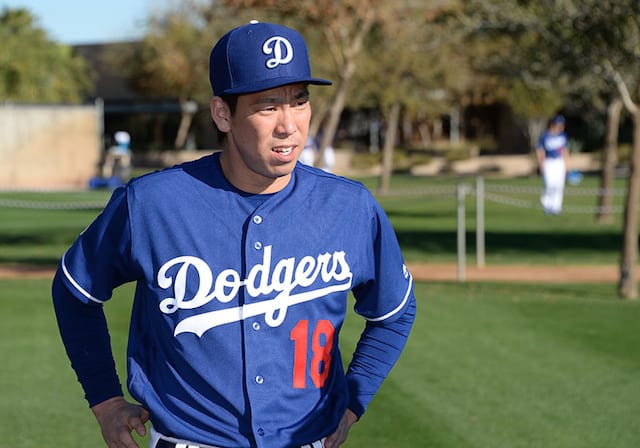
157	440
554	174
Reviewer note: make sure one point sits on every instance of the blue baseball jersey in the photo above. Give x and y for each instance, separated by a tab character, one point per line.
553	143
240	298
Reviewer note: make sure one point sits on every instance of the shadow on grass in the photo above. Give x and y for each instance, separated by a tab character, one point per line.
42	262
428	242
39	238
35	248
439	242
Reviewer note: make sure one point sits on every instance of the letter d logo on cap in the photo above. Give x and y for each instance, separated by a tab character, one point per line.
280	48
259	56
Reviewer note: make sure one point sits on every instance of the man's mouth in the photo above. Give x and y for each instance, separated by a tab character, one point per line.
284	150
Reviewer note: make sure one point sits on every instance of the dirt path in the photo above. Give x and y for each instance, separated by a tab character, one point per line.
443	272
25	271
518	273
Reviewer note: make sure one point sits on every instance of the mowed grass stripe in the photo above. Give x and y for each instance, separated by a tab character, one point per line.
495	365
487	365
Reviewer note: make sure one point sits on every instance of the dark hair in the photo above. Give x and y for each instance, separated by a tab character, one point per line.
232	102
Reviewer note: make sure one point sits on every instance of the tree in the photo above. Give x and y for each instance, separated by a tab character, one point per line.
582	36
508	37
169	63
342	27
35	69
380	46
614	27
609	160
602	37
628	284
409	56
596	40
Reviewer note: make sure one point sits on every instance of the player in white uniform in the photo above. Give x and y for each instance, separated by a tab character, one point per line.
243	262
553	157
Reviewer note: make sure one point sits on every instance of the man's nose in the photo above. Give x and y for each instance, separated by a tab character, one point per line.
286	124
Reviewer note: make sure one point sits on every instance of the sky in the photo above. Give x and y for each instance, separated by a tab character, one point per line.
75	22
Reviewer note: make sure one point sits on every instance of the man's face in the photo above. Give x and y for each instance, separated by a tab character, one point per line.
265	136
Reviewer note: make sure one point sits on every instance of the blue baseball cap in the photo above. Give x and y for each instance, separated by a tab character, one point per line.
259	56
558	119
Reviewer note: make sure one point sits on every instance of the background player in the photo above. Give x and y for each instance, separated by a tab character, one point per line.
553	158
243	261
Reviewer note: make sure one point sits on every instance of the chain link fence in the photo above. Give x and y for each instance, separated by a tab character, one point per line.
521	197
510	195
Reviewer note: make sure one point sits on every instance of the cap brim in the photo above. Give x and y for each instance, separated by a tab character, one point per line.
273	83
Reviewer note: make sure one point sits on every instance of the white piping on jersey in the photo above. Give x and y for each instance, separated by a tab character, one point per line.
76	284
398	308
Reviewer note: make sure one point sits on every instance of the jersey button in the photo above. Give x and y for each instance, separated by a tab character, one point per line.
260	432
257	219
257	245
256	326
259	379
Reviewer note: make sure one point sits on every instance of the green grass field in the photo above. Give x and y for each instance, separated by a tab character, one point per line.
487	365
425	224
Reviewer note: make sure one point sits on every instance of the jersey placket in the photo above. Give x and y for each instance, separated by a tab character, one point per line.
256	355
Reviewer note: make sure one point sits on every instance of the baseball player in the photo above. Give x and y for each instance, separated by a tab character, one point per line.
552	152
243	261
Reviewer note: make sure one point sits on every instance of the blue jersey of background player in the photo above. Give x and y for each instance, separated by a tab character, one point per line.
552	152
554	141
243	261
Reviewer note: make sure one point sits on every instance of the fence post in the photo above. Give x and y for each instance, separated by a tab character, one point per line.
461	193
480	245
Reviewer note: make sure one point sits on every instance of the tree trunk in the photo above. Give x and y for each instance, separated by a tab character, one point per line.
188	108
387	151
348	70
423	130
320	111
610	159
628	287
331	125
407	130
535	128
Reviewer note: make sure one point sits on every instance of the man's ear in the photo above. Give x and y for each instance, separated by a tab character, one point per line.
220	114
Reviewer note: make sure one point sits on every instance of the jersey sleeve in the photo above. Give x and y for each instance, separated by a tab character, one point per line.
100	259
84	332
565	146
540	142
387	303
378	350
96	263
389	285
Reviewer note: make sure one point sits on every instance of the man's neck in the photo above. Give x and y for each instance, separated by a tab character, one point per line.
253	183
